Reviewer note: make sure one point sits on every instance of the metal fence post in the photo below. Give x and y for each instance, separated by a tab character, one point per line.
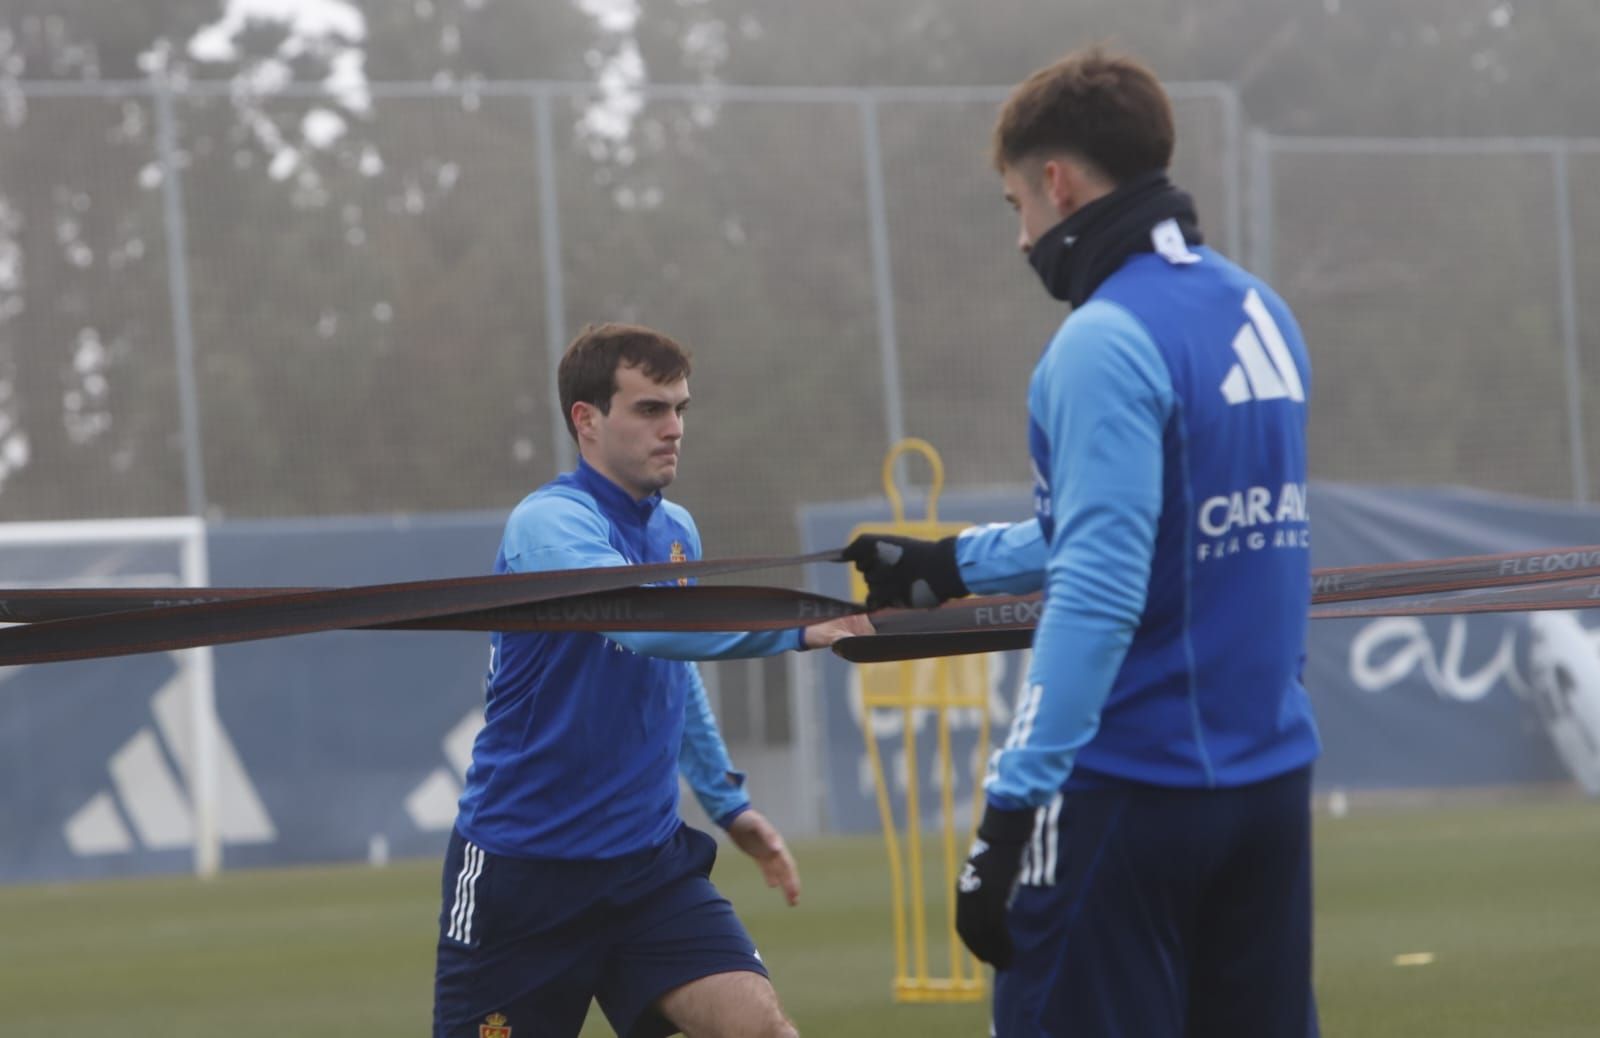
882	276
203	791
1261	204
555	294
194	480
1569	321
1232	193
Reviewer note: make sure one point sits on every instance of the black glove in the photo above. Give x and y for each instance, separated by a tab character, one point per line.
983	893
905	571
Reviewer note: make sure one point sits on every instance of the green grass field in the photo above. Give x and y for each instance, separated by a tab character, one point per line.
1506	899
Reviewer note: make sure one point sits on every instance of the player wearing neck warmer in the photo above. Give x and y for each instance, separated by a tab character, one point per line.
1143	863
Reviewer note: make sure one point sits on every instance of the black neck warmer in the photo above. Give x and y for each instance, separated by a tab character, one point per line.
1075	255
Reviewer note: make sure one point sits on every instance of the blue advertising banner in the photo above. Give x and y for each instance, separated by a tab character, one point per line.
357	741
349	745
1451	701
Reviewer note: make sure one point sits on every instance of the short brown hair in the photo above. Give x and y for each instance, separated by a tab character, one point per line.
588	370
1108	109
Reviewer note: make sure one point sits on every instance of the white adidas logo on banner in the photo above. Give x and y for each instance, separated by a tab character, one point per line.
155	801
1266	369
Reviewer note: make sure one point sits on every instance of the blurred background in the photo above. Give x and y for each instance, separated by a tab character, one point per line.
270	258
298	272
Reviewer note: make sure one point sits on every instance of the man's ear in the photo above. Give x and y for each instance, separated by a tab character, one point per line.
1061	183
584	417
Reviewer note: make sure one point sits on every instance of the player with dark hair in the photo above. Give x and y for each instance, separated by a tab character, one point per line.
1143	866
569	875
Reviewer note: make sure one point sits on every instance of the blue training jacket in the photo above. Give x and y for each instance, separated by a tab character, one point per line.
1167	434
584	734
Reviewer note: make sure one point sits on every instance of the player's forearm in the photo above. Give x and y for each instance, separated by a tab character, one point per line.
1075	662
1002	558
703	758
1099	577
694	645
720	793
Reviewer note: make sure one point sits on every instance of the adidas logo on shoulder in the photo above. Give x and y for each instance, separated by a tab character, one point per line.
1265	370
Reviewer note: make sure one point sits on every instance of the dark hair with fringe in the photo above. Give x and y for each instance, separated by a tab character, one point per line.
1108	109
588	370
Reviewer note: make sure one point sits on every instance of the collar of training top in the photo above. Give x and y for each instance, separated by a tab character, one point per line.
1076	255
612	498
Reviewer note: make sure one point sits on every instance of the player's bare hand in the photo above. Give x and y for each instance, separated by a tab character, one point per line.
820	636
760	839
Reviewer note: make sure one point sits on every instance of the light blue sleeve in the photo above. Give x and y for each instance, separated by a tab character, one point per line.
1002	558
703	758
1103	395
709	645
550	531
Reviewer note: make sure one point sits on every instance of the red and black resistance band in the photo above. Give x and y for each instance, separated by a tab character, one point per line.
81	623
694	608
1436	576
1563	594
1555	578
951	638
236	618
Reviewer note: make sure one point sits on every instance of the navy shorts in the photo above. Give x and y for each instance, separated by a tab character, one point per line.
525	944
1165	912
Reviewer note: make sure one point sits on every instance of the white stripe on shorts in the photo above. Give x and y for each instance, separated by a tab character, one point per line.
1039	856
1052	839
1033	867
466	894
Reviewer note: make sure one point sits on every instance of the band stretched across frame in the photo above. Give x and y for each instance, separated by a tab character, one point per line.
54	625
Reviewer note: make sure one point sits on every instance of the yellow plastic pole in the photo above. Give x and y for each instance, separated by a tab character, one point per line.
891	844
911	687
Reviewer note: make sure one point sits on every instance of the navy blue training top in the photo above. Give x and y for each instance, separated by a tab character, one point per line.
584	734
1167	424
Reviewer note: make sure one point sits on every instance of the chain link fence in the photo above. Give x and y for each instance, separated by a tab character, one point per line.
199	318
1438	285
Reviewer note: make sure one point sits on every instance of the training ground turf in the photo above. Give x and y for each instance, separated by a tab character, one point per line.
1506	899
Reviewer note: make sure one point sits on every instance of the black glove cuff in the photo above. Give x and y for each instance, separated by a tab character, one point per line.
1002	827
944	576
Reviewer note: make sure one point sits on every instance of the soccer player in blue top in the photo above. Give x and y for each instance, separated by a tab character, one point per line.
569	875
1143	866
